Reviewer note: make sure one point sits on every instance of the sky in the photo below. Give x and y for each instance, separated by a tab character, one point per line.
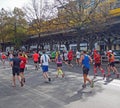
10	4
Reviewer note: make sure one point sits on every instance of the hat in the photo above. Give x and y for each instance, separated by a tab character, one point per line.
110	51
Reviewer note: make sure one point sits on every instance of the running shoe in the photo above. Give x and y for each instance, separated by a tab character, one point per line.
63	75
118	75
49	79
95	75
92	84
84	86
21	84
24	80
103	76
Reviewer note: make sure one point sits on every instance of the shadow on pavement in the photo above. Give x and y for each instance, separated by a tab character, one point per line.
84	93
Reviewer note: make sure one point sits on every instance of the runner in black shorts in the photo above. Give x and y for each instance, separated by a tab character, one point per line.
85	61
16	70
85	70
97	65
111	65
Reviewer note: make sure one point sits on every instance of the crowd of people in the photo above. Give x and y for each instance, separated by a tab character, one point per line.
19	60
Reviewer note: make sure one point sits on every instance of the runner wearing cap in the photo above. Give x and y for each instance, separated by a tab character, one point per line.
111	64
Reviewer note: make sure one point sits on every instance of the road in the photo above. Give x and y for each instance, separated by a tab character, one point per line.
60	93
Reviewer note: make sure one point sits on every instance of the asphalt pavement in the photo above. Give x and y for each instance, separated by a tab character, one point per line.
60	92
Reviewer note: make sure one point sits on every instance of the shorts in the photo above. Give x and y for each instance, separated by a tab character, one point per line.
15	71
69	61
77	59
35	62
44	68
60	72
112	64
85	70
10	59
59	64
97	65
22	69
52	57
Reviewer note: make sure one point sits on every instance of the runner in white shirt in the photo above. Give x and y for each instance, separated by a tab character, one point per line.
77	57
44	63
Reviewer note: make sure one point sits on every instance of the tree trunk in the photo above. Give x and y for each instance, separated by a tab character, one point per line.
51	46
38	42
109	44
67	46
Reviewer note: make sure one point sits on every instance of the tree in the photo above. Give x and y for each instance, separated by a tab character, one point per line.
18	25
12	27
38	14
3	27
84	15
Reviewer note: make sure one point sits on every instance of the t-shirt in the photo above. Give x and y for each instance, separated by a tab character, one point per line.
3	56
35	57
23	62
70	55
10	56
86	61
53	54
65	55
97	58
16	62
77	54
59	60
45	59
111	58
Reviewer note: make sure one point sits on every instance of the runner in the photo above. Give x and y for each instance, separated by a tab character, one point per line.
53	54
16	70
70	58
22	66
65	57
59	65
3	58
85	61
44	63
10	57
77	57
36	59
111	64
24	54
97	64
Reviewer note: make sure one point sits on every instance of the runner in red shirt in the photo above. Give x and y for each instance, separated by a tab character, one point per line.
3	58
36	59
22	66
70	58
97	61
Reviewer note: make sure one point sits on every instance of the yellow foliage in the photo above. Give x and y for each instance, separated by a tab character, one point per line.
115	12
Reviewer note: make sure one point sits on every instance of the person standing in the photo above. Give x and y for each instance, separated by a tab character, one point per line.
97	64
36	59
44	63
16	70
85	61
